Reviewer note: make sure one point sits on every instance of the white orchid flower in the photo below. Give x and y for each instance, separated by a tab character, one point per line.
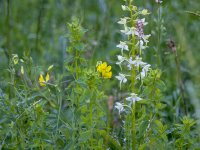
141	45
123	21
123	46
137	62
120	59
128	30
119	106
124	8
144	71
122	78
133	98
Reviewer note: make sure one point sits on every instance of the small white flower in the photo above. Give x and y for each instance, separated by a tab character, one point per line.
119	106
137	62
120	59
134	8
142	21
141	45
145	12
122	78
124	7
131	31
133	98
123	46
130	62
146	37
128	30
158	1
143	37
123	21
129	66
144	71
146	68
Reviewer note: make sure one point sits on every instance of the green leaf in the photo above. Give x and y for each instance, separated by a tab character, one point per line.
110	140
84	136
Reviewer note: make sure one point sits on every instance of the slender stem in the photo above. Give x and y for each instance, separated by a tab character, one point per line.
133	42
39	20
73	124
133	109
76	102
91	117
180	82
12	78
159	37
133	128
59	111
92	102
193	13
76	64
9	52
77	72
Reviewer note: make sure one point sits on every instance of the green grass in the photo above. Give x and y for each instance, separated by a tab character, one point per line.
75	109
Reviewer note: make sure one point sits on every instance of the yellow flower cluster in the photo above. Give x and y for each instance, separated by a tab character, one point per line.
105	70
42	81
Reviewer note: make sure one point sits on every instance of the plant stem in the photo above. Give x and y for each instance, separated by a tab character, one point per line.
92	102
133	82
59	111
39	20
180	82
159	37
8	52
133	127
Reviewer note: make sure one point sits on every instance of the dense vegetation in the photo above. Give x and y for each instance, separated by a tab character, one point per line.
99	74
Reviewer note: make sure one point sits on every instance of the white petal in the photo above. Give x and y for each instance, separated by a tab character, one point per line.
124	80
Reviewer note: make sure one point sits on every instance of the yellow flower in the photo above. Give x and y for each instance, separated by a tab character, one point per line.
105	70
102	67
42	81
108	68
107	75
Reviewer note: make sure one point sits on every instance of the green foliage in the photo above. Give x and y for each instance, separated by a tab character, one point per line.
76	107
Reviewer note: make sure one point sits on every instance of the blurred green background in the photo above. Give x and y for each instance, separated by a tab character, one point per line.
37	28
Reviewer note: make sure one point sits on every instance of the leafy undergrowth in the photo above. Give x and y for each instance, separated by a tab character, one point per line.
117	103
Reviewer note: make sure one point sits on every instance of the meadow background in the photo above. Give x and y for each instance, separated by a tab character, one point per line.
38	29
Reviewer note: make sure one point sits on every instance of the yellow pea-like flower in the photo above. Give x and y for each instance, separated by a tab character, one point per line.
47	77
101	67
104	66
42	81
105	70
108	68
106	75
